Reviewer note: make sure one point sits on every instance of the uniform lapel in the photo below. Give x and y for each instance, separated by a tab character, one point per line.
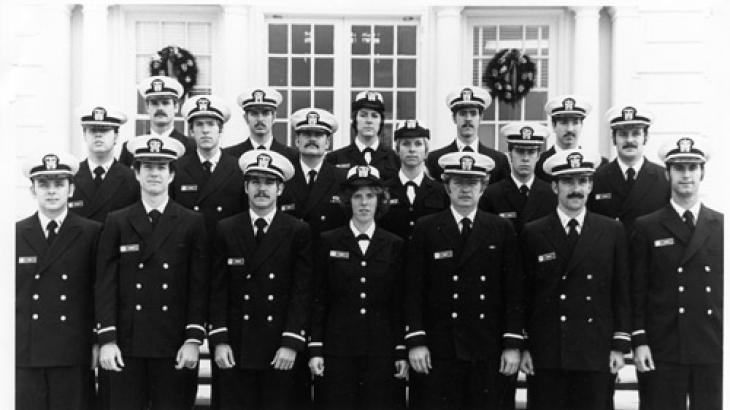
322	184
221	174
355	156
450	230
379	154
536	198
109	185
556	236
376	243
246	241
347	240
646	177
138	220
478	237
702	231
66	237
33	234
83	180
298	189
513	196
590	234
167	223
273	238
674	224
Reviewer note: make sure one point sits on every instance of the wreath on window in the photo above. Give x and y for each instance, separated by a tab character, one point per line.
178	63
510	75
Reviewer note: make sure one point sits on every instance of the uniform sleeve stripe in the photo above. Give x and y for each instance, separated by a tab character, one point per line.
400	347
194	326
294	335
514	335
220	329
315	344
622	337
414	334
196	341
638	332
106	329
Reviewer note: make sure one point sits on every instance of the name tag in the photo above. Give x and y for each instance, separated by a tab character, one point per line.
76	204
508	215
235	261
343	166
335	199
340	254
604	195
443	254
546	257
288	207
393	201
188	188
663	242
492	247
132	247
27	259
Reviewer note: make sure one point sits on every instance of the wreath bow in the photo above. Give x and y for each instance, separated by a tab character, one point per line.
509	75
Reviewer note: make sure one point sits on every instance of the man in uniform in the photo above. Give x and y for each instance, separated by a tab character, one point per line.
577	282
162	96
467	104
567	113
54	278
521	197
629	186
151	289
413	194
102	184
463	298
368	121
259	110
677	289
261	291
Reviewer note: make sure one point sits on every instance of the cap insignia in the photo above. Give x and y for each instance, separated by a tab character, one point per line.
575	160
154	144
628	113
526	133
312	118
203	104
263	160
157	85
685	144
99	114
466	94
363	171
50	161
258	96
466	163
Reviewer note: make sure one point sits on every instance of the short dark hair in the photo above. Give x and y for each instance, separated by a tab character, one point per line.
644	128
353	122
137	164
383	198
217	120
511	146
247	177
555	118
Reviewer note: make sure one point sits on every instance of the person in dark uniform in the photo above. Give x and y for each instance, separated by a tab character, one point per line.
413	194
261	292
54	287
577	298
259	111
162	96
629	186
567	113
151	289
313	194
463	295
521	197
467	105
102	184
368	122
677	289
357	320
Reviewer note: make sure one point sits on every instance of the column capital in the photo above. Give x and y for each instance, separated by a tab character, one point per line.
235	9
449	11
60	7
94	7
586	11
617	12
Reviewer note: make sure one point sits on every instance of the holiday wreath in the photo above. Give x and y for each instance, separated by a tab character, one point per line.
176	62
509	75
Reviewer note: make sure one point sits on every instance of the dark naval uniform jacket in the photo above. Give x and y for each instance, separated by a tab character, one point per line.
54	289
504	199
401	217
152	285
218	197
540	173
357	309
577	305
611	197
322	207
118	189
127	158
384	159
463	301
677	286
237	150
501	164
260	297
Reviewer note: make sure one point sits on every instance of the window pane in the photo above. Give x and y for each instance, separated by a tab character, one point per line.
277	71
502	145
475	41
360	39
282	111
301	39
324	39
488	114
388	102
301	71
531	32
489	39
406	105
324	72
173	33
180	127
510	32
141	127
277	38
535	106
324	100
388	135
147	37
544	74
300	99
198	36
360	72
383	40
204	70
406	72
509	113
280	132
383	72
141	105
407	40
487	135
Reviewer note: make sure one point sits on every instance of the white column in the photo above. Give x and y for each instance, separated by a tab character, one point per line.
95	53
448	72
625	41
236	57
585	70
56	102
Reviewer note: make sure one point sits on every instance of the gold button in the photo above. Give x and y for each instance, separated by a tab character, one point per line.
455	278
37	276
456	296
680	270
138	307
270	318
363	311
707	268
363	263
709	312
681	288
271	297
164	308
63	318
322	218
245	317
411	223
35	316
141	265
363	295
563	318
246	297
165	265
483	278
481	316
219	209
248	276
64	277
196	208
681	310
35	297
562	297
139	286
63	297
482	297
589	276
271	275
454	315
164	286
564	277
588	298
362	279
708	289
590	320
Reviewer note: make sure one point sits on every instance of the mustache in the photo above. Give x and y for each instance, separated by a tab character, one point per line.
261	195
569	134
160	113
577	195
630	145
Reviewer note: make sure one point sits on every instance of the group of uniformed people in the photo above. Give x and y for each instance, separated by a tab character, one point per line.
333	279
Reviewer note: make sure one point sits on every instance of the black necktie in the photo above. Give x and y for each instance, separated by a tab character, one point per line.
572	235
51	229
411	191
154	216
310	178
261	147
468	148
630	177
260	225
98	173
208	167
689	220
367	153
525	191
465	228
362	237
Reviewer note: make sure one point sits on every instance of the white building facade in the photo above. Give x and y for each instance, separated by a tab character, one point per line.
321	53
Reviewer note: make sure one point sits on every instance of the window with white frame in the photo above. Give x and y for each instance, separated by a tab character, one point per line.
533	40
325	64
153	35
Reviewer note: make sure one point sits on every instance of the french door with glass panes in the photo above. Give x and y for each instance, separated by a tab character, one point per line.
325	63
